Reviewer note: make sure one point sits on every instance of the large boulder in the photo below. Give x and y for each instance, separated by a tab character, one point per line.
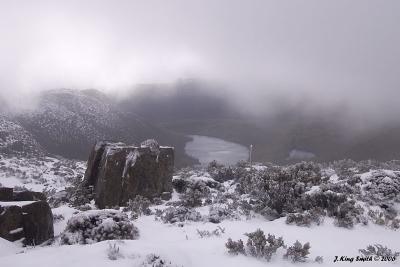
26	218
118	172
6	194
28	196
37	221
11	223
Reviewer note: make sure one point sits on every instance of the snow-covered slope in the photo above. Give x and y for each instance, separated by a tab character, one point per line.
68	122
15	139
39	173
166	240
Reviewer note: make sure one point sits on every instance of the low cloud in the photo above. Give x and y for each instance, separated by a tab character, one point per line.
321	54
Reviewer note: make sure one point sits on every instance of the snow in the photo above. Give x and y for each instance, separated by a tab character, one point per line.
39	173
334	178
16	230
181	243
313	189
8	248
130	161
15	203
184	247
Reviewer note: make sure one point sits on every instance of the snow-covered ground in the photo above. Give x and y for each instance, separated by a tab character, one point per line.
39	173
180	244
184	247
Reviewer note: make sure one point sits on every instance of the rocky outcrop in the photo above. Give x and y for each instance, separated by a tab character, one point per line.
28	196
26	218
37	222
6	194
118	172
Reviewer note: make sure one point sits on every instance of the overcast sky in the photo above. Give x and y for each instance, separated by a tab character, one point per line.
328	51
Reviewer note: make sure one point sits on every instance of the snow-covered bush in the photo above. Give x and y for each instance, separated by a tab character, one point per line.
306	172
179	184
383	187
206	233
379	250
178	214
78	194
257	245
138	206
307	218
58	217
56	199
261	247
98	225
235	247
326	200
153	260
218	213
319	259
348	213
297	252
194	194
113	252
219	172
276	190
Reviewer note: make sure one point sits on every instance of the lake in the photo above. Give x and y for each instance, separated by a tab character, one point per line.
207	149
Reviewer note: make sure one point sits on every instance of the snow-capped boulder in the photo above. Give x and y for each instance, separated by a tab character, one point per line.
119	172
22	216
37	222
11	223
31	220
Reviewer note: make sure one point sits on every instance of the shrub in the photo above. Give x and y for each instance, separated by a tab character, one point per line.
58	217
383	187
138	206
95	226
219	172
257	245
260	247
347	214
195	192
179	184
305	219
297	252
319	259
178	214
235	247
205	233
218	213
113	252
306	172
379	250
153	260
79	194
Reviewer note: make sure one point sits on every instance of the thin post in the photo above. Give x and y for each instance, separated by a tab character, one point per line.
250	155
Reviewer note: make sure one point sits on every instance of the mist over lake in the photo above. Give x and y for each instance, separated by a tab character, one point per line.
207	149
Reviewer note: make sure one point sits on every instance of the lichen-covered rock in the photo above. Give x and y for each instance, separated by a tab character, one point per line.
119	172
